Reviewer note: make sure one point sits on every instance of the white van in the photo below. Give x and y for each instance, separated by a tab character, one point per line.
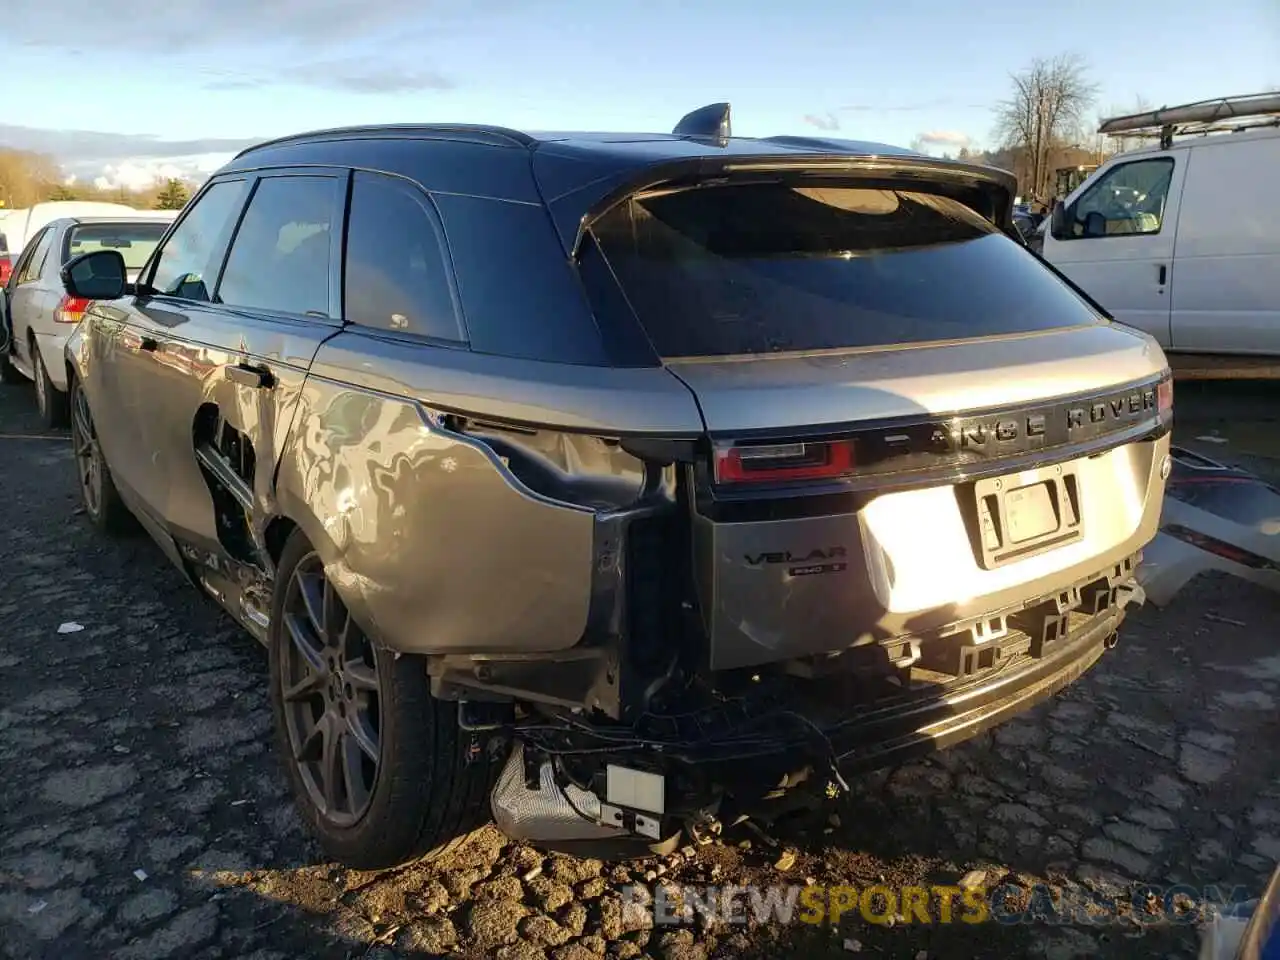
1182	239
21	225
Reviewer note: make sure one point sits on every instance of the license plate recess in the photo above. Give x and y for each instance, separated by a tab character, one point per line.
1021	514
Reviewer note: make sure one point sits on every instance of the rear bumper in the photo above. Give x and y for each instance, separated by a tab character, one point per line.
757	753
757	737
901	733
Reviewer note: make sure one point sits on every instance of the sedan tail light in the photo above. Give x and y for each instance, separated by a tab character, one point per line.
783	462
70	310
6	268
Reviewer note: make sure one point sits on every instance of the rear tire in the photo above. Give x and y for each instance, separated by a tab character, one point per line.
102	503
53	404
406	786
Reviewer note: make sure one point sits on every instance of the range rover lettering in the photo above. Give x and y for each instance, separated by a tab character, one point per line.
604	482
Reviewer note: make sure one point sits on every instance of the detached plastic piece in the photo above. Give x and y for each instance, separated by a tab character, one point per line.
710	123
1215	517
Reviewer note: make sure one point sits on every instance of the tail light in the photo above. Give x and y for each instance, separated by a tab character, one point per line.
70	310
1164	396
6	268
782	462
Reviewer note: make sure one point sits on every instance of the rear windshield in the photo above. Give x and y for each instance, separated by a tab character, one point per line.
134	241
762	268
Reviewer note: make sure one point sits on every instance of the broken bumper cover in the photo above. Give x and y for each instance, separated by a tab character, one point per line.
532	801
1216	518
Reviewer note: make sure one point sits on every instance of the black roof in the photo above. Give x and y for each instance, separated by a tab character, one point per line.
573	173
654	147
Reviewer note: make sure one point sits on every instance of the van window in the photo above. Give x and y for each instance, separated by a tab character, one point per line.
1128	200
762	268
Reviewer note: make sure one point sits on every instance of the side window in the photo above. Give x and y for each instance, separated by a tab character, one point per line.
1127	200
189	260
397	274
29	268
280	256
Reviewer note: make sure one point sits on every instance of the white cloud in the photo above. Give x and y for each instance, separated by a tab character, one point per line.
941	139
823	121
138	173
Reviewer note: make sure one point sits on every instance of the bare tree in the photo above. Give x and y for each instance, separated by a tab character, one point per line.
1046	111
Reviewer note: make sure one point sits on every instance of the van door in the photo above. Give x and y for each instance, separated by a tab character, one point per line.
1226	276
1116	239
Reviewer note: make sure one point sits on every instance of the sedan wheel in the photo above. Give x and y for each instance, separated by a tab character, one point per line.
87	452
102	503
51	401
42	395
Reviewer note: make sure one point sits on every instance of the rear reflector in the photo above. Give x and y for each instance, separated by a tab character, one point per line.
1164	396
70	310
1219	548
782	462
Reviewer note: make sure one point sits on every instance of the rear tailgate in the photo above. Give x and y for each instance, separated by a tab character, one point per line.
862	354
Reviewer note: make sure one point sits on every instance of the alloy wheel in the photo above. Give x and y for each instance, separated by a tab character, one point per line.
329	684
42	394
88	453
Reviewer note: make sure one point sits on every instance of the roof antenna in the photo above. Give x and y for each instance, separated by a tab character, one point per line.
710	122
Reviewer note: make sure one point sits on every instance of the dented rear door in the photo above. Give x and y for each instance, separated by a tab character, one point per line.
237	361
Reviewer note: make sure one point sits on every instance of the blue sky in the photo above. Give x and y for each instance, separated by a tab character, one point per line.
173	84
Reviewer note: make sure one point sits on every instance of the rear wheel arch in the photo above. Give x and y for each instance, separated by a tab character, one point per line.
275	536
433	780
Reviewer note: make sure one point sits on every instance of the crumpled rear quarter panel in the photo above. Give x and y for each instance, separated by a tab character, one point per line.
432	543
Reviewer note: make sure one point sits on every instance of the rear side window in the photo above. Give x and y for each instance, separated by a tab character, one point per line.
30	265
397	277
133	241
280	257
189	260
764	268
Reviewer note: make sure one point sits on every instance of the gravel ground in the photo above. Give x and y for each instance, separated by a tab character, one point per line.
144	815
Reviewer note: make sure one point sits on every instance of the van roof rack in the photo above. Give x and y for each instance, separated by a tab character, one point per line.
1204	116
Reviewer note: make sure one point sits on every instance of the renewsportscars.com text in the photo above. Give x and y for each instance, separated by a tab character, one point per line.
1008	904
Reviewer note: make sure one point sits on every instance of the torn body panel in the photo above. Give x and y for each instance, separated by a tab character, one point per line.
440	542
1216	518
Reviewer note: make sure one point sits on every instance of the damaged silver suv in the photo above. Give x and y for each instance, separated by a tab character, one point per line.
604	482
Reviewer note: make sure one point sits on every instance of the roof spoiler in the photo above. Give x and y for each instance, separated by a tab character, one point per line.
709	123
994	187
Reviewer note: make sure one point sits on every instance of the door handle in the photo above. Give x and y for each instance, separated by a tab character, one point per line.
150	344
246	375
1163	272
